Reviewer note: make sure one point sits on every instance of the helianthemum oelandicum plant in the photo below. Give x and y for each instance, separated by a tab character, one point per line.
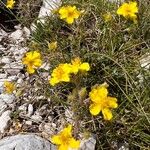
32	60
102	102
9	87
69	13
65	140
10	4
128	10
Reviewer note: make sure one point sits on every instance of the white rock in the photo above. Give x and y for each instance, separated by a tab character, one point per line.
20	76
3	75
69	115
5	60
47	7
123	146
25	142
141	79
30	110
20	81
23	107
1	87
18	27
3	80
12	71
28	122
3	106
14	65
36	118
26	32
48	128
45	66
88	144
7	98
145	61
2	34
4	119
17	35
12	78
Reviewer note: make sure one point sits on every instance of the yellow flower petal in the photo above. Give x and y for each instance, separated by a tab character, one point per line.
98	94
95	109
67	131
74	143
38	63
102	92
112	102
84	67
24	61
56	139
63	147
76	14
63	13
107	114
30	69
53	81
69	20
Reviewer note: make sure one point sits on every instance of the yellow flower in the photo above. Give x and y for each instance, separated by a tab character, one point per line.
128	10
32	60
102	102
52	45
9	87
107	17
78	65
63	71
69	13
10	4
64	139
60	74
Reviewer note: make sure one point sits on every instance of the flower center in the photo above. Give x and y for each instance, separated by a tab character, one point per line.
60	72
104	103
31	62
128	10
70	14
65	140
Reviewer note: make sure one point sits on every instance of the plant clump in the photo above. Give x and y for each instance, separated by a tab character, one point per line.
94	47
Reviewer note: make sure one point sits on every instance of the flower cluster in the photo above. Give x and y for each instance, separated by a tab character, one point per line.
52	46
65	139
102	102
60	74
69	13
63	71
9	87
32	60
128	10
107	17
10	4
